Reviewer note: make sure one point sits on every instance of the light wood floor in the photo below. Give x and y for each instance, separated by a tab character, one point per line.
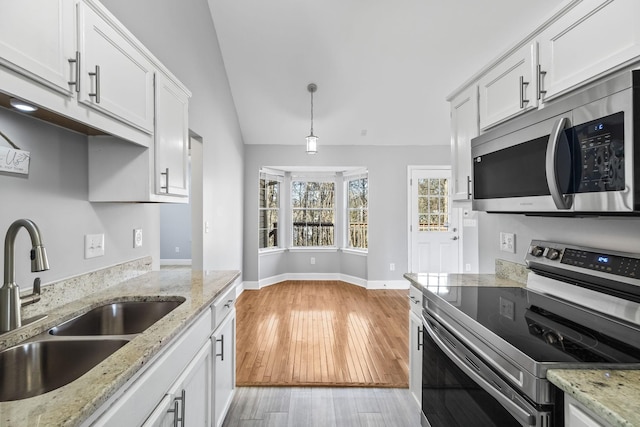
322	407
322	333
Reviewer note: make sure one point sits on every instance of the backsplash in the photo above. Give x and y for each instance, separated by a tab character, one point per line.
59	293
511	270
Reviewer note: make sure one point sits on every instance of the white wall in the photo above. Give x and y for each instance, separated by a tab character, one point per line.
55	195
182	36
387	205
603	233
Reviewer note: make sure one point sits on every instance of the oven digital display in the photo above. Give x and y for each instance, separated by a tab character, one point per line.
604	259
613	264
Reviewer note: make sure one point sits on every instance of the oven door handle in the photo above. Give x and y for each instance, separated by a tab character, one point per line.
524	415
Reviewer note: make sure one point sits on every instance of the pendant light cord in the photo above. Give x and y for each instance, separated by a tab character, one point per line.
311	112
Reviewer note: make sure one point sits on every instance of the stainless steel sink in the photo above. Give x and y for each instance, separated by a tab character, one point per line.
122	318
35	368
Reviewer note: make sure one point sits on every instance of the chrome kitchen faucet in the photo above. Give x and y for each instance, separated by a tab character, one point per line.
10	304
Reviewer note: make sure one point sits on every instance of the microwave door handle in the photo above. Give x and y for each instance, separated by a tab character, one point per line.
561	201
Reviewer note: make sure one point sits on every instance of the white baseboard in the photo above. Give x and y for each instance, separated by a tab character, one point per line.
367	284
175	262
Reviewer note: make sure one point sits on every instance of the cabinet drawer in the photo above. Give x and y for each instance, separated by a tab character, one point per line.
222	306
415	300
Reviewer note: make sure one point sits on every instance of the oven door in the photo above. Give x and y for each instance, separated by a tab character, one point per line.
458	389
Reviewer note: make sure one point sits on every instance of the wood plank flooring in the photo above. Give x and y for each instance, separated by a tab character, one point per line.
322	333
322	407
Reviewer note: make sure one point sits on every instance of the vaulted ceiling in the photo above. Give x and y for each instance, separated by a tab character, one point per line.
383	68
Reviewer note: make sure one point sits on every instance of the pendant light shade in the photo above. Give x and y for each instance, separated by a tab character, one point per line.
312	140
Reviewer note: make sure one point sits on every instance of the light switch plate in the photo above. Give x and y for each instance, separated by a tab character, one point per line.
93	245
137	237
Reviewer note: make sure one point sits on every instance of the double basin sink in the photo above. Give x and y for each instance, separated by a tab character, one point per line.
65	352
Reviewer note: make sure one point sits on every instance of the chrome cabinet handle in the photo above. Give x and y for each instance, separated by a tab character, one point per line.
221	341
166	186
540	75
561	201
76	61
420	343
414	299
523	84
175	412
468	187
228	304
96	94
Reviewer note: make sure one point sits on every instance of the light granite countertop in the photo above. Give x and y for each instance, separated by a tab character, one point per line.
613	395
432	281
73	403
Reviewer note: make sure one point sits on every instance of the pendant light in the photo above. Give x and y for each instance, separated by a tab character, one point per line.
312	140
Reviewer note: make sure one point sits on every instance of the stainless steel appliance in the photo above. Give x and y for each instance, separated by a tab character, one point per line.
576	156
487	349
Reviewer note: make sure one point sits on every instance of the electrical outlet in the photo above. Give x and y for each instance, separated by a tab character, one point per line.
177	249
312	260
93	245
137	237
392	267
467	267
508	242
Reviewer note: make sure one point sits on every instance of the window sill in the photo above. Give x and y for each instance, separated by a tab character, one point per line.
270	251
361	252
314	249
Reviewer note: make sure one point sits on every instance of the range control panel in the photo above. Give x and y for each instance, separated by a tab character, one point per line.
576	258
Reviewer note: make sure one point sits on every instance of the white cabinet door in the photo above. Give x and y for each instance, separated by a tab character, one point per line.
591	39
117	79
38	38
464	126
509	88
415	356
171	138
164	414
224	367
577	415
192	391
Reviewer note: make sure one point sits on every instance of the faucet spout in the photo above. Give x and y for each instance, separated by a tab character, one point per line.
10	317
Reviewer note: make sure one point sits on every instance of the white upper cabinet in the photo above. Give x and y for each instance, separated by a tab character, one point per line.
593	38
38	38
464	126
510	88
117	77
171	138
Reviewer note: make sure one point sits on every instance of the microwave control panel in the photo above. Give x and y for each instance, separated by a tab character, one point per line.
600	147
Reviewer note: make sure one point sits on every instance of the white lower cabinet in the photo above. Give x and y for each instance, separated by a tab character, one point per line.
190	383
415	343
576	415
223	343
187	402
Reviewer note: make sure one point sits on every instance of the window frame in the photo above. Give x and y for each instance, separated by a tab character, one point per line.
270	176
319	178
347	179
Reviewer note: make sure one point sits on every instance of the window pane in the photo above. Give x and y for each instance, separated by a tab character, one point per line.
313	213
357	201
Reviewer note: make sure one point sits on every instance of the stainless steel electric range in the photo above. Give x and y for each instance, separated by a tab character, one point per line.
487	349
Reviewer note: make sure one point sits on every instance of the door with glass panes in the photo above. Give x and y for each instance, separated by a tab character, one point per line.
433	231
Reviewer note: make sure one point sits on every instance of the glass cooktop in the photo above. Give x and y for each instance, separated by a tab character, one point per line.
544	328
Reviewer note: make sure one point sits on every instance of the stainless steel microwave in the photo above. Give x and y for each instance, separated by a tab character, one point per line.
576	156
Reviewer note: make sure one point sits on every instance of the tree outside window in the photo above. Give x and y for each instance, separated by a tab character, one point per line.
268	213
313	213
358	213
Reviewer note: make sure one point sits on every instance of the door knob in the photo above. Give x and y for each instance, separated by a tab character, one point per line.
454	238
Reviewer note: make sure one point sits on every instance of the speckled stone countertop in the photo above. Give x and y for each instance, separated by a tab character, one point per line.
440	280
73	403
614	395
615	398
